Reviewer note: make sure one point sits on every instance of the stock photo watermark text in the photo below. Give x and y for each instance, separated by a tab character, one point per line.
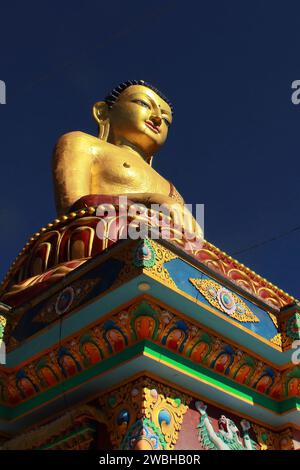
2	92
295	97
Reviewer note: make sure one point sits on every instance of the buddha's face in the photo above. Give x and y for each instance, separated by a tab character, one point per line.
140	117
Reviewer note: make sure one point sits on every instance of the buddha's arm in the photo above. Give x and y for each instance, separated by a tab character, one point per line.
149	198
72	160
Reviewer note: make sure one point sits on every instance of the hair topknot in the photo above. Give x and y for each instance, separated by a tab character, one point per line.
112	97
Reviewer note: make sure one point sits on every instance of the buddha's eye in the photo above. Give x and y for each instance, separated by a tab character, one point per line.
142	103
167	122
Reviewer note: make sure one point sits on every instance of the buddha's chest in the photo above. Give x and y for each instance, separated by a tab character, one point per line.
126	172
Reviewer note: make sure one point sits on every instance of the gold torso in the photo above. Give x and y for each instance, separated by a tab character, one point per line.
84	164
119	170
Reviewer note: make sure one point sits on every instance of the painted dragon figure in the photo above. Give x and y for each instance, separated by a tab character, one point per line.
227	438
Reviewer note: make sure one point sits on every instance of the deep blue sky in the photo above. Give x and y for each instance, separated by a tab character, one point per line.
226	66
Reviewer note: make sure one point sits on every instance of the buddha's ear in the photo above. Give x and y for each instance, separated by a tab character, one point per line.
100	113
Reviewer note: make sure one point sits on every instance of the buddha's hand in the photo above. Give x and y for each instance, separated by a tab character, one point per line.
181	217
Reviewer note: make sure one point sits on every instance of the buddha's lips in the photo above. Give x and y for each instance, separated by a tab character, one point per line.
152	127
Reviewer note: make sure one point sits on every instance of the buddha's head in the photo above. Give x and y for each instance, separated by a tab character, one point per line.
134	113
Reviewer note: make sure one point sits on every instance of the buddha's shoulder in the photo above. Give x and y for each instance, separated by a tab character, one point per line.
78	142
78	139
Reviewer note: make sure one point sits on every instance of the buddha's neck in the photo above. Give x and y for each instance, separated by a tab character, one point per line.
124	143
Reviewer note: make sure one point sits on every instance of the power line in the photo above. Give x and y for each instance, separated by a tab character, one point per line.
266	241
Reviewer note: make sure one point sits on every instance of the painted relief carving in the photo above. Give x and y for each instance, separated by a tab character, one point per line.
227	437
224	300
144	415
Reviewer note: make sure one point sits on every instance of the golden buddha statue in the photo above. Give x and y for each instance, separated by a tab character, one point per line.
90	172
133	124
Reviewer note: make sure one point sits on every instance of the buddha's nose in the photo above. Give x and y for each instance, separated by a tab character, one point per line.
156	120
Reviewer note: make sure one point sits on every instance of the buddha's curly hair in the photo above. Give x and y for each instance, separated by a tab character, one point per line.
112	97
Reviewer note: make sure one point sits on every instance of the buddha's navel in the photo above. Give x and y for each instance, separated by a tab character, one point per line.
126	165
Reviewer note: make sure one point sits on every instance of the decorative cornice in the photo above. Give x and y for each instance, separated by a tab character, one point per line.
139	321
